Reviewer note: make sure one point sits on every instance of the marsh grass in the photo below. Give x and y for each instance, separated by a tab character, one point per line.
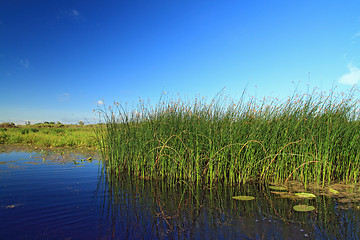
307	137
45	135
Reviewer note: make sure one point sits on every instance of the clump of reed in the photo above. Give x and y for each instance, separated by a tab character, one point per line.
307	137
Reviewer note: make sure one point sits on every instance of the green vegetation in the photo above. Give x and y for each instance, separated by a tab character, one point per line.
305	195
243	198
48	135
303	208
308	138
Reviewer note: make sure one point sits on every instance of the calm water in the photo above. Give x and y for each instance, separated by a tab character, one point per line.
48	195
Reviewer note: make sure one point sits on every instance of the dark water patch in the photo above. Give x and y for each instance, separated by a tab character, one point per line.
47	200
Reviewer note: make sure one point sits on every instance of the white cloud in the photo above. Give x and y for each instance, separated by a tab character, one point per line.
25	63
356	35
64	97
354	38
69	14
100	102
74	13
351	78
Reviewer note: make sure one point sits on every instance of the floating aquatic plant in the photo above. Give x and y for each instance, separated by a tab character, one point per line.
243	198
278	188
303	208
333	191
305	195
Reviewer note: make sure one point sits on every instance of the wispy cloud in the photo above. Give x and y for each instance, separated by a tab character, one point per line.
352	77
69	13
64	97
356	35
24	62
74	13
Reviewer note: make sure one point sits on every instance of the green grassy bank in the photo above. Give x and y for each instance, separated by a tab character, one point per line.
306	137
49	135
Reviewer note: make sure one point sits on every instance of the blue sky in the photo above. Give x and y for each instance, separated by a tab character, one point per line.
60	58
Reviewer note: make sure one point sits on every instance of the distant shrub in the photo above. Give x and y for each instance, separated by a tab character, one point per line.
3	137
56	131
24	131
46	131
28	130
7	125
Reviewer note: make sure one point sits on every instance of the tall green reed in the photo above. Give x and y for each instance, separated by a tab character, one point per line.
308	137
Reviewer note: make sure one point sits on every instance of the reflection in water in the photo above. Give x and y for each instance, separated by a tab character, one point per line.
46	196
156	209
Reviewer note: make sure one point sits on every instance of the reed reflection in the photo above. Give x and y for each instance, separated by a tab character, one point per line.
138	208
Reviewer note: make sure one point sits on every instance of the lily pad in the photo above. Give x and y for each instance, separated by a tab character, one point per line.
278	188
244	198
305	195
279	193
333	191
303	208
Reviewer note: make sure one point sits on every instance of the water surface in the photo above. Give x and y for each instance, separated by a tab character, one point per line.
61	195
